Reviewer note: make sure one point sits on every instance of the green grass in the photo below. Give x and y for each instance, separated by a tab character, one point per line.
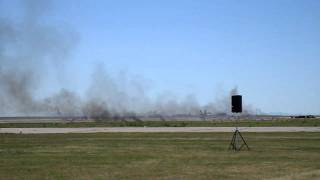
217	123
159	156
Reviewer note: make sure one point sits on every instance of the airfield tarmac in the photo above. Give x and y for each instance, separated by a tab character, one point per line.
154	129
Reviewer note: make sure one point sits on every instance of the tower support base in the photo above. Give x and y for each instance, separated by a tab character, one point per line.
238	142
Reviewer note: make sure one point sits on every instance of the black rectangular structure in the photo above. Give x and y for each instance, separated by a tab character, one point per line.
236	104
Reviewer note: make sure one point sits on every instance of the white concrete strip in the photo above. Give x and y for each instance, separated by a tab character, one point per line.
155	129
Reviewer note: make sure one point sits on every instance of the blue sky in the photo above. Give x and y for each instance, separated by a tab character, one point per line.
269	49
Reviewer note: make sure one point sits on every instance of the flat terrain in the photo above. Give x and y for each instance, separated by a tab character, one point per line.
216	123
155	129
159	156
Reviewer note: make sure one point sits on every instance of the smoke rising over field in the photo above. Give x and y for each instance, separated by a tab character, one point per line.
29	47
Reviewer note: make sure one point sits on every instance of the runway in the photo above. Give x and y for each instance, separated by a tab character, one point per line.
154	130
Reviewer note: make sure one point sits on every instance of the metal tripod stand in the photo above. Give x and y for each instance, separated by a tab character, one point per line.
237	141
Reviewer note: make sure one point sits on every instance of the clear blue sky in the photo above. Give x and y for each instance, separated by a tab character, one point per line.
269	49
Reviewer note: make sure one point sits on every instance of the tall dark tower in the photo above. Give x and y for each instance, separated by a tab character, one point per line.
237	141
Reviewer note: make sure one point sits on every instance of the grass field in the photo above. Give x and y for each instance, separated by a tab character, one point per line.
159	156
216	123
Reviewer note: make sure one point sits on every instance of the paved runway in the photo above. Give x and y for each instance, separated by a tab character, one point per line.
155	129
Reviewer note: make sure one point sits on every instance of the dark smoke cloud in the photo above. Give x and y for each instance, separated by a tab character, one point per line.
64	103
113	95
29	48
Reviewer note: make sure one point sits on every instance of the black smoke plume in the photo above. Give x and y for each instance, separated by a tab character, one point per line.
29	48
